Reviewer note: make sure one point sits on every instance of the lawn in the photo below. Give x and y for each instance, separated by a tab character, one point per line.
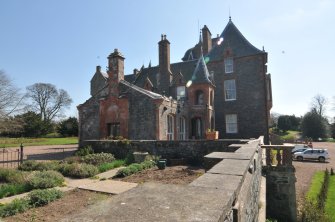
330	203
15	142
315	187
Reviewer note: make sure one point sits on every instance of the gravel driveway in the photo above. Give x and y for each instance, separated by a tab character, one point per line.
306	169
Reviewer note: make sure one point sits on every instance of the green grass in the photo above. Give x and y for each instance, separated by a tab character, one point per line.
316	184
15	142
330	203
108	166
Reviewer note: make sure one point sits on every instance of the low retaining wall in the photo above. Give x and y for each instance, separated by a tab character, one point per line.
190	150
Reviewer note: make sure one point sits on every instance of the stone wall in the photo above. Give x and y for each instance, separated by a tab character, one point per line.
89	120
280	193
190	150
250	104
238	174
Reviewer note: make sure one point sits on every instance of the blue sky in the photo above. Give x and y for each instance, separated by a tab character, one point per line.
61	42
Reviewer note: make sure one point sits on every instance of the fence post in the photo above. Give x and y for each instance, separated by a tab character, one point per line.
21	157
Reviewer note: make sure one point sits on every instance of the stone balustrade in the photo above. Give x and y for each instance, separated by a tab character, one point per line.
278	155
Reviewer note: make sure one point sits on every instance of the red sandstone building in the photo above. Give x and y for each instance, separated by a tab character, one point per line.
221	84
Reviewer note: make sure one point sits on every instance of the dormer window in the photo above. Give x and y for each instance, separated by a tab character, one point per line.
229	65
180	92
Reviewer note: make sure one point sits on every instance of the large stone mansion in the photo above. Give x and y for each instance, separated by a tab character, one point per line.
221	84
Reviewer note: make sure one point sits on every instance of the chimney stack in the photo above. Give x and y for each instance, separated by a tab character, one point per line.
116	65
164	55
206	40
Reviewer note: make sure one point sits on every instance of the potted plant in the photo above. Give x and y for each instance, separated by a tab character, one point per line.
211	134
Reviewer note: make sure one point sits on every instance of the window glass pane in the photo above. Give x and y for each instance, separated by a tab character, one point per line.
230	89
180	92
231	123
229	65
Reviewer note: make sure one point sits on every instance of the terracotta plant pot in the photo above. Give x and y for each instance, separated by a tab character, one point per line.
214	135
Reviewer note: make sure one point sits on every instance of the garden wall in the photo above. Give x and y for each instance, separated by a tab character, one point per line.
190	150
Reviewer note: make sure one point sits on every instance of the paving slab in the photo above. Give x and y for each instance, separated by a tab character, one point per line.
109	186
70	182
109	174
160	202
231	167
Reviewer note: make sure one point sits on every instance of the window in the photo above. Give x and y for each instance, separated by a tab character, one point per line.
180	92
169	132
199	96
113	129
230	89
228	65
182	129
231	123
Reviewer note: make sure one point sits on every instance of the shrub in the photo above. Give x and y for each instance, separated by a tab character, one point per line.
130	158
108	166
12	176
134	168
32	165
98	158
72	159
45	179
16	206
331	171
43	197
83	151
7	190
78	170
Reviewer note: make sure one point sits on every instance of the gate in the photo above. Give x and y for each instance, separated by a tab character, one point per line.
11	158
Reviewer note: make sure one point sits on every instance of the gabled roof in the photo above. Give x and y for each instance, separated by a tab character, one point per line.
200	74
142	91
232	38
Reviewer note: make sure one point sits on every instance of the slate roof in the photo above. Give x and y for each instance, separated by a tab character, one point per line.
143	91
232	38
200	74
185	68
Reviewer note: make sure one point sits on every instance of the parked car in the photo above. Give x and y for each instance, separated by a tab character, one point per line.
299	148
312	154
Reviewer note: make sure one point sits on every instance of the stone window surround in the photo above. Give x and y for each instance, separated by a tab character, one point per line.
170	127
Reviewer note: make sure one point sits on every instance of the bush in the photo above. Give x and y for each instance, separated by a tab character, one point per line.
33	165
331	171
72	159
16	206
98	158
43	197
78	170
12	176
83	151
134	168
108	166
130	158
45	179
7	190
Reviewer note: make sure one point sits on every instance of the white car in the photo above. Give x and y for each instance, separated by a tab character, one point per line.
312	154
299	148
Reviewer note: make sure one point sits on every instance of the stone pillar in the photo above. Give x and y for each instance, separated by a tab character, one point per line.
280	193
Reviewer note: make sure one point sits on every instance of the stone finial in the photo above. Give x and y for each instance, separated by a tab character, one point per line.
98	69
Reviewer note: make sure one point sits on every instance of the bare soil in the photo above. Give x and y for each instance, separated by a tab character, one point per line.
72	202
170	175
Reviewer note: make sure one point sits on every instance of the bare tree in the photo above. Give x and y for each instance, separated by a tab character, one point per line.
10	97
47	100
319	104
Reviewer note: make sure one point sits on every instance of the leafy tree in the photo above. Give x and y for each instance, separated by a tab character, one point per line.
313	125
284	123
47	100
33	126
295	122
10	97
332	129
68	127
